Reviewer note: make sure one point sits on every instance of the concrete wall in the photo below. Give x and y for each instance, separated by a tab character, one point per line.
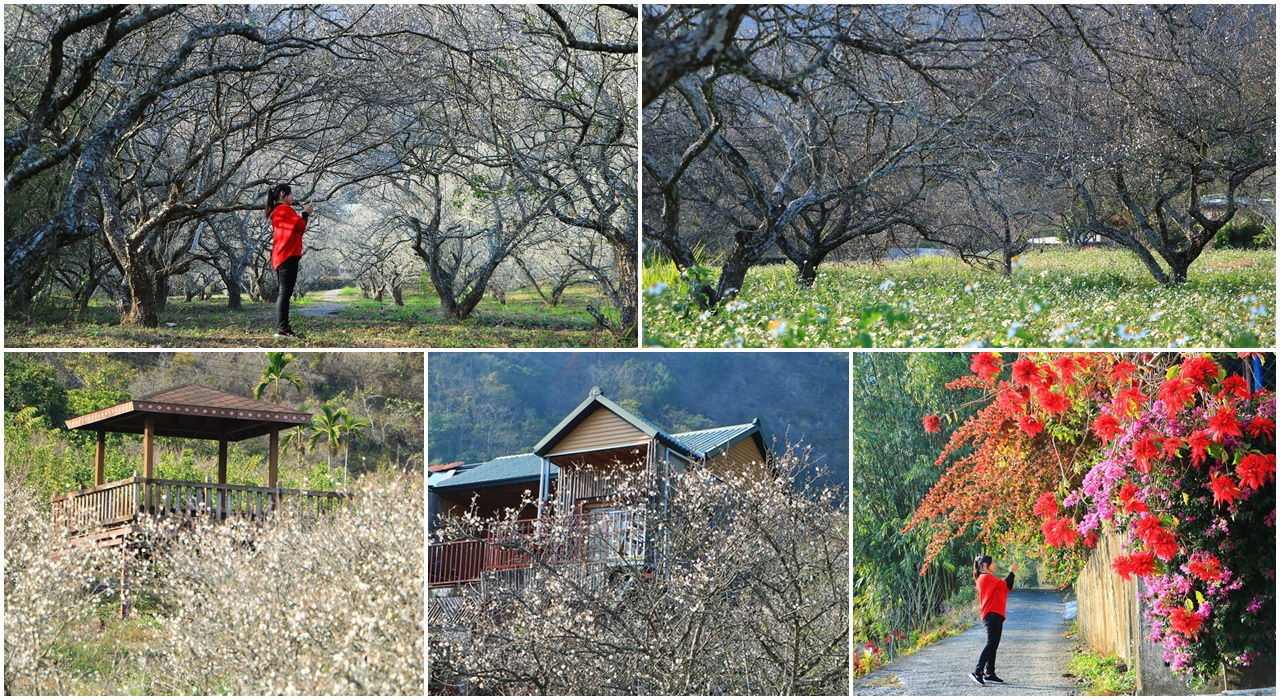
1110	621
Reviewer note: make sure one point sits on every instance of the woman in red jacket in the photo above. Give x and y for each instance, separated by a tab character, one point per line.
286	249
993	593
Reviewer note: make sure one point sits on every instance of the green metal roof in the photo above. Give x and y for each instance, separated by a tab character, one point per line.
712	441
502	470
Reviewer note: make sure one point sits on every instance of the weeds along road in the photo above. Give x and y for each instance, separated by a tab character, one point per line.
1032	658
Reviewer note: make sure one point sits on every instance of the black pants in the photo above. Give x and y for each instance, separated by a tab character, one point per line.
286	277
995	625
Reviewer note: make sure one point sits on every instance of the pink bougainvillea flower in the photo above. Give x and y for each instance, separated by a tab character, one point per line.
1185	623
1046	506
1198	441
1198	370
986	365
1106	427
1256	469
1143	450
1235	385
1224	489
1205	567
1053	403
1260	426
932	423
1060	533
1138	564
1030	425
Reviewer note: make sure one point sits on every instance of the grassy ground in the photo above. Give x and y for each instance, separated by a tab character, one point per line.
1098	674
524	321
1091	298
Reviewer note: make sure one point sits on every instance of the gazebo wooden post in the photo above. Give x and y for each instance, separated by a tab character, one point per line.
148	446
100	460
273	462
222	474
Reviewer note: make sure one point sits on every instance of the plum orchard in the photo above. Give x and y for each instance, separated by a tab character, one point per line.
1175	454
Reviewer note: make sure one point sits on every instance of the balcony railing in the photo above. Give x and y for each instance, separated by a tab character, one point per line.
612	537
121	502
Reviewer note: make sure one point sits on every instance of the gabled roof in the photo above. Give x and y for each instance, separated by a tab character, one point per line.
713	441
193	411
594	403
496	472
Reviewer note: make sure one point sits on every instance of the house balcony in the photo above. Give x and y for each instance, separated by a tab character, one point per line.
614	537
114	508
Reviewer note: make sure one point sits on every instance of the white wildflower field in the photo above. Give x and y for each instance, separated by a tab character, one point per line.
1089	298
301	606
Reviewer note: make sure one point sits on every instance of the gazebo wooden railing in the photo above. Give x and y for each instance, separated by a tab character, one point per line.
121	502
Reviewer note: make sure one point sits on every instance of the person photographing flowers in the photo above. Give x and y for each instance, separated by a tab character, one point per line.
993	594
287	228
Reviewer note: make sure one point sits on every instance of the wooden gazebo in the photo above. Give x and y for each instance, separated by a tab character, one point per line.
106	512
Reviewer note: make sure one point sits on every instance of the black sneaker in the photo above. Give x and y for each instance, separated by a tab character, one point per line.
993	678
977	678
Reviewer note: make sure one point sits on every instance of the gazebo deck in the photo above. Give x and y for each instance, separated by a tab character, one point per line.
119	503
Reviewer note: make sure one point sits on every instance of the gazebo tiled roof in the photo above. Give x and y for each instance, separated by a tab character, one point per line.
193	411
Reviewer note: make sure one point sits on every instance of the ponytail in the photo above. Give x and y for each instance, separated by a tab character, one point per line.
978	563
274	193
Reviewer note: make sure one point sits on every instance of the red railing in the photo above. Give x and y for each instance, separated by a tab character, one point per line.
613	537
451	563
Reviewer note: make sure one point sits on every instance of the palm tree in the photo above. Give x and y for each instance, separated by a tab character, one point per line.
327	424
296	439
353	426
276	372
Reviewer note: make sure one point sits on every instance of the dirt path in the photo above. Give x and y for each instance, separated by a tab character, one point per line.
328	306
1032	659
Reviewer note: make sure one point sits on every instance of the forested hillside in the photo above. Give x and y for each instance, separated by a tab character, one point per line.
487	405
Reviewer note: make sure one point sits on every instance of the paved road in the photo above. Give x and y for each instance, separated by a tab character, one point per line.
330	305
1033	657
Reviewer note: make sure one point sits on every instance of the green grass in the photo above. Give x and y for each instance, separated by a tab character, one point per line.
1102	675
524	321
1091	298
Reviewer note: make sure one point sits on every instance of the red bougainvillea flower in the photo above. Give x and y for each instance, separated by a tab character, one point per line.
1235	385
1127	400
1066	369
1106	427
1170	449
1060	533
1139	564
1198	441
932	424
1030	425
1256	469
1143	450
986	365
1260	426
1128	499
1158	539
1206	568
1199	370
1185	623
1053	403
1027	373
1012	400
1046	506
1224	489
1176	393
1121	370
1224	423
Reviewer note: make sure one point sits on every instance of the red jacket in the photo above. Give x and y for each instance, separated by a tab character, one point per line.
994	593
287	228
